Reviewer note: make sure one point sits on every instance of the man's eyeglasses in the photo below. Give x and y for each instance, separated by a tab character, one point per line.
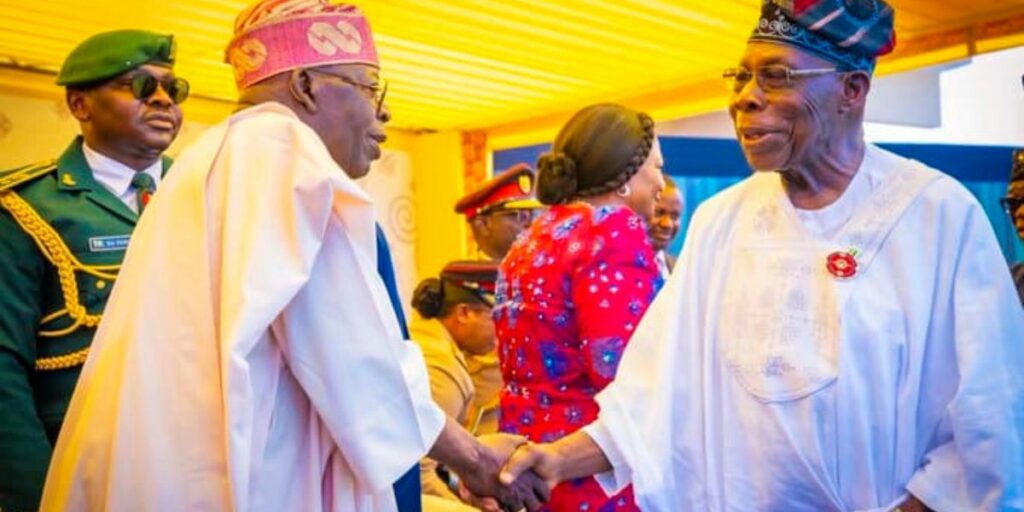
143	86
377	92
1011	204
769	78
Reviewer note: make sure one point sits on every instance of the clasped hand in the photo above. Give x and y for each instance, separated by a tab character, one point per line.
519	485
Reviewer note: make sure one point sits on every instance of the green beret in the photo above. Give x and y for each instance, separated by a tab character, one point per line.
109	54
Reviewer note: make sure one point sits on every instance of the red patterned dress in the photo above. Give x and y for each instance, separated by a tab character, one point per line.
570	293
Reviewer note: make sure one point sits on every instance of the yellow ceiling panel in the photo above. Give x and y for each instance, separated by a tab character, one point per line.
498	64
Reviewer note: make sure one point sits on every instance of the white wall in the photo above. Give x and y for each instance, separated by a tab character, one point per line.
390	184
982	104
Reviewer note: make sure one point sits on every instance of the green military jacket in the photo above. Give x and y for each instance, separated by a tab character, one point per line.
62	238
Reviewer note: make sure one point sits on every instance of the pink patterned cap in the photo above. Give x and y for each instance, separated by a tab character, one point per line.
274	36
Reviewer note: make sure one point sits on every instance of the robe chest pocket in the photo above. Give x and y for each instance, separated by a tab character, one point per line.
779	328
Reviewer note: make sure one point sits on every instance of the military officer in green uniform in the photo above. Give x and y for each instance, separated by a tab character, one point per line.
64	227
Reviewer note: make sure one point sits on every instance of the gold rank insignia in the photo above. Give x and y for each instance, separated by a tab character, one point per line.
525	183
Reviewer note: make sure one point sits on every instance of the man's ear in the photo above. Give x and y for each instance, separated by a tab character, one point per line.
856	85
77	102
480	226
462	313
301	88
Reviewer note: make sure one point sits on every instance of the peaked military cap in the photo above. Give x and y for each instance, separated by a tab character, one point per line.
475	276
512	189
109	54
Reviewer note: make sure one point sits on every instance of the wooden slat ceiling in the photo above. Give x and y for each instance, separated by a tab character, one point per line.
475	64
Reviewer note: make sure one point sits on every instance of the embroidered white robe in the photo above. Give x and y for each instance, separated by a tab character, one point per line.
249	358
758	381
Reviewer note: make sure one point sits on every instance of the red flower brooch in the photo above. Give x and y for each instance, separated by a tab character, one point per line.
842	264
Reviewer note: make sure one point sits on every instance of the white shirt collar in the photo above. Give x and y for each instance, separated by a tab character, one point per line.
662	260
114	175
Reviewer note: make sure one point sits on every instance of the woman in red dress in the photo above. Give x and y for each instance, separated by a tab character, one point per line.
576	283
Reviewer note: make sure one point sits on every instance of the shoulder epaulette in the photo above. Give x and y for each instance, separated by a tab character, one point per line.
14	177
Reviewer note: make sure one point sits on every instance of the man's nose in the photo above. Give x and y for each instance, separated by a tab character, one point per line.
160	96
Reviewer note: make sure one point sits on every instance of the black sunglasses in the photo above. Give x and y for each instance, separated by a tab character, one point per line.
144	86
1011	204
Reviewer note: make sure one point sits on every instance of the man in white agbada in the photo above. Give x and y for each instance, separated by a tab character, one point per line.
250	358
836	338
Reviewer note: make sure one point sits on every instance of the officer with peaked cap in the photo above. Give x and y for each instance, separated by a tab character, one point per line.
500	209
497	212
64	228
454	325
1013	204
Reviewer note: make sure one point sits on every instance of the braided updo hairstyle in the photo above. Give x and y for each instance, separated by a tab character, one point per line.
597	151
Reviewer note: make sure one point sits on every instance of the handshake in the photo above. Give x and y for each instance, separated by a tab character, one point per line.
507	473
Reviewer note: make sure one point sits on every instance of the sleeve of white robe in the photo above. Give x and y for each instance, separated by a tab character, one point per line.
980	466
283	265
372	392
643	410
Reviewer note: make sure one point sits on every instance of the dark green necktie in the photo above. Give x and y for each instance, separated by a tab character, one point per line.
144	185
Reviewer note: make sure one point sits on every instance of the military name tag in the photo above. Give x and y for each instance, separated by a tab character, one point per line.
108	243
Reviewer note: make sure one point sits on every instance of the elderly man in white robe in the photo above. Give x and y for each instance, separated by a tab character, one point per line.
250	358
835	338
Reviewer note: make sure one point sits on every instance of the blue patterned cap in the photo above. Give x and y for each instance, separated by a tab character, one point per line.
851	33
